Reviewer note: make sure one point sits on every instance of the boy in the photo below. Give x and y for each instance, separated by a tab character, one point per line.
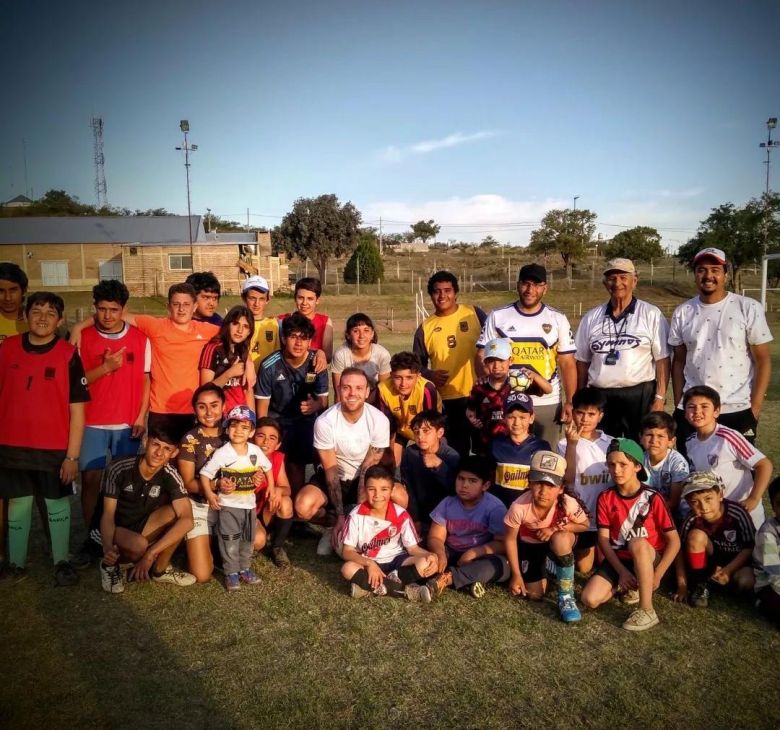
467	534
236	464
636	536
13	287
512	453
718	540
428	466
666	468
380	547
207	293
726	452
585	449
307	297
766	560
265	337
405	395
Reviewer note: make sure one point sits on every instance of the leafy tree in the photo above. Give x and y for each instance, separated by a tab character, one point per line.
488	242
215	223
638	244
319	229
391	240
367	257
565	232
425	230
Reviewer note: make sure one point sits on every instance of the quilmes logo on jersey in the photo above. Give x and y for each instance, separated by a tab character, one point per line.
610	344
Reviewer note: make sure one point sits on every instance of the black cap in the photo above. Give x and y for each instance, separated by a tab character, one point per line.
533	272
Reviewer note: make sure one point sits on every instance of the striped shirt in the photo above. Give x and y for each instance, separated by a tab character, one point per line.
766	556
731	534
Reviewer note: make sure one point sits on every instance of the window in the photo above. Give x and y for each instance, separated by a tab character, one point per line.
54	273
179	262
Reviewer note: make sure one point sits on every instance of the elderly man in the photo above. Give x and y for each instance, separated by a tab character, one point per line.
622	351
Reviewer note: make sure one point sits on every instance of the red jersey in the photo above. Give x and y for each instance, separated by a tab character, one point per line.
319	321
731	534
488	404
277	460
214	358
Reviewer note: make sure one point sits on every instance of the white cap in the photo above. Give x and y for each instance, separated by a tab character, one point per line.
255	282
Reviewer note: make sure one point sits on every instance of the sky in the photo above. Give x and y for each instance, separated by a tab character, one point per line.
480	115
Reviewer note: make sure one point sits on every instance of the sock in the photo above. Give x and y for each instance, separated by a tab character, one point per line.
282	527
19	518
697	567
59	527
564	570
361	579
408	574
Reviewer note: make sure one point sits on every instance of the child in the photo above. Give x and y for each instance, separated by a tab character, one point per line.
307	296
236	464
718	539
766	560
512	453
207	293
485	404
726	451
265	335
361	350
467	533
542	527
585	449
636	536
404	395
380	546
666	468
273	503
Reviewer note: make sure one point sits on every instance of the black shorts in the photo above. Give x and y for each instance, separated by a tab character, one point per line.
393	564
534	560
349	487
298	442
27	483
137	526
587	540
175	425
605	570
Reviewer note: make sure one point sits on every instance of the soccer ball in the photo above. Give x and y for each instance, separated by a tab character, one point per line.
519	379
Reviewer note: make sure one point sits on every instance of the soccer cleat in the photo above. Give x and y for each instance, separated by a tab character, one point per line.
477	590
630	598
700	597
177	577
567	607
232	581
324	547
111	578
249	577
64	575
416	592
439	583
355	591
280	559
640	620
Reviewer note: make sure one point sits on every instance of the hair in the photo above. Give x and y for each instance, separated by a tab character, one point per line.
14	273
593	397
405	361
211	387
271	423
356	320
659	419
476	465
297	322
443	277
378	472
162	434
240	350
110	290
309	283
45	297
354	371
702	391
433	418
181	288
204	281
774	489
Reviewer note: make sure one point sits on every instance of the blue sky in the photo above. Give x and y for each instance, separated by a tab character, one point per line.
481	115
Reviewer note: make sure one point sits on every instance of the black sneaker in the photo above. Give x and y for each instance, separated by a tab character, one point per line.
64	575
280	558
700	597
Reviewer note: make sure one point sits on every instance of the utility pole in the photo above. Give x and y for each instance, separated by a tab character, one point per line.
771	123
576	198
380	235
184	125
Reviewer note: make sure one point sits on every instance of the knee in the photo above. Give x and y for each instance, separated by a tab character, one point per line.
589	599
304	506
286	508
561	543
349	569
202	573
696	541
639	547
260	540
744	580
535	593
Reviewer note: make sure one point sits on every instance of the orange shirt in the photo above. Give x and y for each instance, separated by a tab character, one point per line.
175	358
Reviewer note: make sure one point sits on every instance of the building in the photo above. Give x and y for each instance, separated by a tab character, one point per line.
20	201
148	253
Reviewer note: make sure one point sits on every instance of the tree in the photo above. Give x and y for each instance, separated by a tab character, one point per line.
425	230
488	242
391	240
215	223
565	232
638	244
319	229
367	257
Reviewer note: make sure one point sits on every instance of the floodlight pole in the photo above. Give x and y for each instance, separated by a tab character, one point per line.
184	125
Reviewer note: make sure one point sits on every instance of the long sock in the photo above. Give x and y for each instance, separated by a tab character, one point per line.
697	567
19	518
360	579
408	574
59	527
564	569
282	527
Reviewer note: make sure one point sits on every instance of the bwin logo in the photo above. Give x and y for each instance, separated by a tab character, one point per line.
624	342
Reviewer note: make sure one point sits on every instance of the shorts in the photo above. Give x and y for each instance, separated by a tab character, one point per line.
535	561
587	540
349	487
137	526
607	572
298	442
393	564
27	483
175	425
98	442
204	520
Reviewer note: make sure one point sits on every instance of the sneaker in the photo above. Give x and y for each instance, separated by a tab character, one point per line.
700	597
177	577
64	575
477	590
567	607
249	577
81	560
280	559
641	620
380	590
355	591
630	598
111	578
416	592
232	581
439	583
324	547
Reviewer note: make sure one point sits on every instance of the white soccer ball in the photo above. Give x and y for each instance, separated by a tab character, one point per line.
519	379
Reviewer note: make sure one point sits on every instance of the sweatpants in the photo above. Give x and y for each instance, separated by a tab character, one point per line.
490	569
236	538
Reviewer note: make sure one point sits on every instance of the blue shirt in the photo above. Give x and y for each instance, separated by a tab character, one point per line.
287	386
468	528
513	462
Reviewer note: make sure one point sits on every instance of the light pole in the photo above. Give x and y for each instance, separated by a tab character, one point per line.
771	123
576	198
184	125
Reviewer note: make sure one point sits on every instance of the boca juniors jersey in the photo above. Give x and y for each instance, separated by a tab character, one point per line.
380	539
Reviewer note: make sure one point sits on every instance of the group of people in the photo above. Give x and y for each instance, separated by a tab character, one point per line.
500	448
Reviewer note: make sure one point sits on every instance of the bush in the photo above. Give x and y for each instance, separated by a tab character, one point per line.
371	267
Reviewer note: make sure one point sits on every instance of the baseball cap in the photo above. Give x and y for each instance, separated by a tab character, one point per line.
533	272
240	413
630	448
698	481
624	265
711	253
547	467
255	282
516	400
498	349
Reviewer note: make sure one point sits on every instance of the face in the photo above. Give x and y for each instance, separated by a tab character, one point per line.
239	432
208	410
444	298
206	303
158	453
297	345
43	320
707	504
656	442
403	381
267	438
108	316
306	302
544	494
531	293
710	277
497	369
181	308
619	284
378	492
622	468
700	412
587	418
255	302
11	296
469	487
518	423
239	330
353	391
427	437
360	336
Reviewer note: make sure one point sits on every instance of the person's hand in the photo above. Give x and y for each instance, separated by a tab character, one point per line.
441	562
517	586
259	480
468	556
113	361
227	485
140	571
626	580
440	378
656	405
139	428
750	503
274	499
431	461
320	361
681	594
720	576
545	533
111	556
472	418
566	412
310	405
68	471
337	529
236	370
657	580
375	575
573	433
431	565
213	501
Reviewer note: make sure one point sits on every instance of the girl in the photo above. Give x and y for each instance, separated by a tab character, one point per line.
361	351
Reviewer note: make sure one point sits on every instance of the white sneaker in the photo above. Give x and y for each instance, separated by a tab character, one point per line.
416	592
111	578
324	547
177	577
641	620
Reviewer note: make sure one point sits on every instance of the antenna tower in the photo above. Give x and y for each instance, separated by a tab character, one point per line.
101	190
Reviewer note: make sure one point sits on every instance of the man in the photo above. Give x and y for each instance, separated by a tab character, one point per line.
622	351
207	293
145	515
265	338
722	340
445	344
13	287
541	341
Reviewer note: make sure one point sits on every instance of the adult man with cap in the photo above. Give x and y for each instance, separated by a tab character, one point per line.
265	339
541	341
622	351
722	340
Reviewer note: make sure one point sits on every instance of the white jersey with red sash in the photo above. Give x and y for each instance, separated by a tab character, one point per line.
380	539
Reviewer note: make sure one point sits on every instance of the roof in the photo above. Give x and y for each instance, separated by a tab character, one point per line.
101	229
232	236
19	199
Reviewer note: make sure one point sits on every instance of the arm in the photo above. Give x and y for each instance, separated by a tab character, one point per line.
761	477
330	466
139	427
107	530
327	340
661	383
372	458
679	354
437	537
207	489
336	377
723	574
172	536
70	467
675	493
544	386
262	405
582	374
187	472
681	594
626	579
516	584
761	377
437	377
572	438
670	552
494	547
111	362
568	368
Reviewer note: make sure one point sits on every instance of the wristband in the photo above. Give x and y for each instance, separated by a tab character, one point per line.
71	458
658	396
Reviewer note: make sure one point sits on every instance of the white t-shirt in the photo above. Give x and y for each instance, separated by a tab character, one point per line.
351	441
537	341
225	462
380	539
671	469
638	336
732	457
592	476
378	362
717	338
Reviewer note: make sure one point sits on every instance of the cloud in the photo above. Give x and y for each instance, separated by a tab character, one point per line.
693	192
394	154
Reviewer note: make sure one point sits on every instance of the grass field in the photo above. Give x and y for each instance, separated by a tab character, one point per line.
297	652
